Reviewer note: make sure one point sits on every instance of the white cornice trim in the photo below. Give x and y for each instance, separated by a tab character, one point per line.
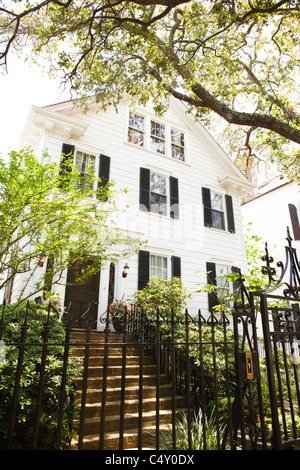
236	184
42	120
53	121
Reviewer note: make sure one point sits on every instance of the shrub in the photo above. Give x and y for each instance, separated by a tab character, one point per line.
165	295
37	318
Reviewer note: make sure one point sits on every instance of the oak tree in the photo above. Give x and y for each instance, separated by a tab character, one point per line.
234	59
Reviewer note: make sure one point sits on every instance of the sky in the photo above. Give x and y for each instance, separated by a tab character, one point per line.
22	87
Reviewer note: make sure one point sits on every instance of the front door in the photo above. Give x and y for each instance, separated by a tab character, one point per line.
81	300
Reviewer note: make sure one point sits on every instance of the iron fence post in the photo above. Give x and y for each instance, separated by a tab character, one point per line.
276	438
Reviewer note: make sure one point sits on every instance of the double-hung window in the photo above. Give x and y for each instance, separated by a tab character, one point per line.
217	275
177	145
217	210
214	210
158	194
85	164
222	273
159	267
158	137
136	129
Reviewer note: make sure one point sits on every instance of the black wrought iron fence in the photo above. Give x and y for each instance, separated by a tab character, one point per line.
162	382
198	356
184	368
37	379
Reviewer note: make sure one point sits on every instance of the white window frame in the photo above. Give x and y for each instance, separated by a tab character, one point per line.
87	154
166	140
215	210
178	146
222	284
142	132
155	258
157	140
164	195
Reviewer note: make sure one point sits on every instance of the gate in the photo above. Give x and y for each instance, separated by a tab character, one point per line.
268	324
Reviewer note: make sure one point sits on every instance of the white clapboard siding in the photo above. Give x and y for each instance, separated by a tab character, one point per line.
105	132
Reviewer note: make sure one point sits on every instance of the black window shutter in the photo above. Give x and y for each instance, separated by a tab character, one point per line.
103	172
67	157
176	266
230	215
295	221
211	279
207	207
145	189
174	198
143	269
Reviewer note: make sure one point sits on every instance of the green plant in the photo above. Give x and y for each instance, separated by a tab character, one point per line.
213	433
165	295
37	320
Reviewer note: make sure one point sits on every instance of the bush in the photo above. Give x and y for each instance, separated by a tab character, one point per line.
30	378
163	295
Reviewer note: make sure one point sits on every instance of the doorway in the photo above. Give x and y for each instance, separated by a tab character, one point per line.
81	300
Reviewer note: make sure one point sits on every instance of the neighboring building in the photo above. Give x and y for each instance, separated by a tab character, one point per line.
271	212
184	193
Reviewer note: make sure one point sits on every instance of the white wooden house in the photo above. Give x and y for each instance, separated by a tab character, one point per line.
183	191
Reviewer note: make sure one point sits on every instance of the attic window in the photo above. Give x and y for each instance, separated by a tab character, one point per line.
136	129
177	145
157	137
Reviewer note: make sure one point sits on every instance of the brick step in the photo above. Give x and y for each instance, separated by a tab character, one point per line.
98	349
116	360
149	391
115	381
130	369
99	336
92	412
131	420
130	439
149	404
